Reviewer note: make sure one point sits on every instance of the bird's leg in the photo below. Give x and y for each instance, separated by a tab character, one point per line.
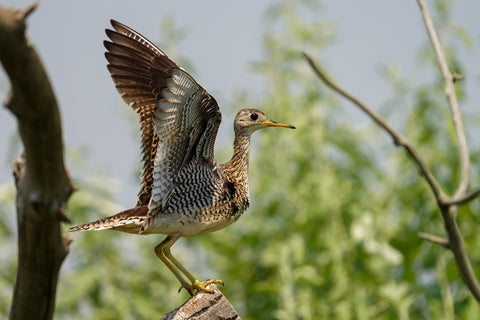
160	254
196	285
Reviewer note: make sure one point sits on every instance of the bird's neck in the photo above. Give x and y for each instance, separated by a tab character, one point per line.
237	167
236	173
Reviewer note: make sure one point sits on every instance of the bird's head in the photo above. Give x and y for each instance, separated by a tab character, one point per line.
248	121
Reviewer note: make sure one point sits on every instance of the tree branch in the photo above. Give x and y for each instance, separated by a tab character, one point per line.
452	101
438	240
466	198
43	185
456	244
398	139
455	239
449	212
447	205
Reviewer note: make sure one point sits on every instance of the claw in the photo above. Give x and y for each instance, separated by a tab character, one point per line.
203	285
199	286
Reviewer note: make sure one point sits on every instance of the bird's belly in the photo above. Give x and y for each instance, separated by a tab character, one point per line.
191	223
186	227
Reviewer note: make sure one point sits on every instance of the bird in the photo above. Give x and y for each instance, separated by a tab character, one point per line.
185	192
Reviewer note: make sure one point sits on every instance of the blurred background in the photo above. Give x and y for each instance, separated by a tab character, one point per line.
335	211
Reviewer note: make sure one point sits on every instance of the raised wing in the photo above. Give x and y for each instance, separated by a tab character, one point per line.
186	121
179	119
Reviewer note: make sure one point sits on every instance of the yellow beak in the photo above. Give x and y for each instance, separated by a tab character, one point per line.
272	123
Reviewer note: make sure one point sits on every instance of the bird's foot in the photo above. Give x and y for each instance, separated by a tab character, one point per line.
199	286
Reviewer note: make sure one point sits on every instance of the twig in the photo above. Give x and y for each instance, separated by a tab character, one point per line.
456	244
457	247
452	101
447	205
462	200
435	239
449	212
398	139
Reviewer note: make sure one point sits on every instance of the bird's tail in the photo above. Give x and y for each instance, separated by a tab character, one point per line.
127	221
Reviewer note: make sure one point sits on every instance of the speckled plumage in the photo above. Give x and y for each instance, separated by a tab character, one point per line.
184	191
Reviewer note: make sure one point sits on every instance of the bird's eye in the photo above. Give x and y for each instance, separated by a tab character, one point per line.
254	116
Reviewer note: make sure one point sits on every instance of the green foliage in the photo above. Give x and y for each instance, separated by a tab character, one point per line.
111	275
332	232
332	229
8	250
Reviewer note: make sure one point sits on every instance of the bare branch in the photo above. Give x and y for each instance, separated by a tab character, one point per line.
452	100
435	239
457	77
398	139
467	198
457	246
448	206
455	240
43	185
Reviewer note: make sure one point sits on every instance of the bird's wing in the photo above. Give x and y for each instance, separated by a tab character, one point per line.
179	119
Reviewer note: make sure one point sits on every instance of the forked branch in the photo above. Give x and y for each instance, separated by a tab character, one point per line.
398	139
450	80
447	205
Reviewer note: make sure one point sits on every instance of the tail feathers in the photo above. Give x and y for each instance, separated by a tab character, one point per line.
127	221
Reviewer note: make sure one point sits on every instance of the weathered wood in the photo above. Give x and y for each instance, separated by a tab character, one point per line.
43	185
204	305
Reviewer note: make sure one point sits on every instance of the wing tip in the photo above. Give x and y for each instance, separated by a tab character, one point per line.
117	25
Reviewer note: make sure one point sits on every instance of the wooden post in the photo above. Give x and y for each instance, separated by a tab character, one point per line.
204	305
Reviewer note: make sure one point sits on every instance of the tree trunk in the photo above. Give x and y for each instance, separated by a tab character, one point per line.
43	186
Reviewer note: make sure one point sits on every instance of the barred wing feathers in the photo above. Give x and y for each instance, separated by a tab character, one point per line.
179	119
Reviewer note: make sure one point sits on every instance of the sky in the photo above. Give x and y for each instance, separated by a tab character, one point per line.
222	39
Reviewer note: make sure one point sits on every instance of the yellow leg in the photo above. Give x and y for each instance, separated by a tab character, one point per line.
159	252
163	252
195	283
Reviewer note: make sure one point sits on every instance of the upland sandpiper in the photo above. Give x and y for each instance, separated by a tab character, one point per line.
185	192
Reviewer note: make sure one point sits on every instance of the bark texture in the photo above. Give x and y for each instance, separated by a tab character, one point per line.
43	185
204	305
